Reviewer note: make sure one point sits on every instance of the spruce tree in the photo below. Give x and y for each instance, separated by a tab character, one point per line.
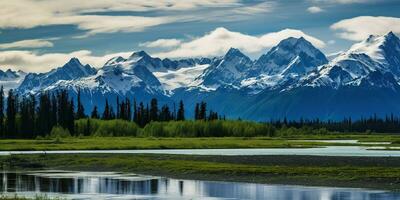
153	116
70	116
53	111
45	119
2	128
128	110
165	114
106	112
95	113
11	110
80	109
181	112
118	109
135	113
197	112
203	111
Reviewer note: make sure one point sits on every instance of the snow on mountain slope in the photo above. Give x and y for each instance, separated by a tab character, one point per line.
10	79
118	75
283	65
292	55
183	77
377	53
72	70
226	71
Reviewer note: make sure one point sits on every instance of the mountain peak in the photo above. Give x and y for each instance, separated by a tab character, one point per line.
73	63
390	35
139	54
377	46
233	52
292	42
291	55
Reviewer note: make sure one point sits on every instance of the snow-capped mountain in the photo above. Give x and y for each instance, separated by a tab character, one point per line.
10	79
72	70
293	79
229	70
375	54
292	55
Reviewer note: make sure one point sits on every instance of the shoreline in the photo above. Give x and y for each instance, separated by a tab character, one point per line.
349	172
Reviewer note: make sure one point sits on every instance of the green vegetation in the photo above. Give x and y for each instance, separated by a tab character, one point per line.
310	170
108	137
200	128
96	143
55	115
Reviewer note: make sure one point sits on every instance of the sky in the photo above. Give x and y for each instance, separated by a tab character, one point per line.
38	35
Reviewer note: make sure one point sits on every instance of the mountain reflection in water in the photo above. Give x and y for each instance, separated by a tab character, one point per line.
109	185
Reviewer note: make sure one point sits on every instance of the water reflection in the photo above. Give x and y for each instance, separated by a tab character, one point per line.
106	185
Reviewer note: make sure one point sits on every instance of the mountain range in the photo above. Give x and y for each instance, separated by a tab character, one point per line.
294	79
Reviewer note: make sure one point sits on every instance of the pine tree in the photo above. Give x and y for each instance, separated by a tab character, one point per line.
135	113
88	128
165	114
2	128
95	113
106	113
27	113
70	116
203	111
128	110
153	110
45	118
118	109
11	110
181	112
81	110
197	112
53	121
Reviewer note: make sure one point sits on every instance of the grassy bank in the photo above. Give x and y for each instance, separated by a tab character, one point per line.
93	143
104	143
380	173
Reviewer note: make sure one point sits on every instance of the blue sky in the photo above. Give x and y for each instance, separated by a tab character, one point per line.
37	35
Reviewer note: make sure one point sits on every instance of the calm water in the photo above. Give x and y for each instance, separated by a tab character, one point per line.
107	185
325	151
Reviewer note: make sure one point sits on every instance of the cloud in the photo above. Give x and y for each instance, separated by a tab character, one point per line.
34	43
162	43
315	9
341	1
31	61
218	41
359	28
331	42
257	8
25	14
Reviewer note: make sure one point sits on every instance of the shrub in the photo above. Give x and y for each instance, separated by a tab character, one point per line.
59	132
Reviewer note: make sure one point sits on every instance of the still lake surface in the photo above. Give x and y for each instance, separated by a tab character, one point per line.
109	185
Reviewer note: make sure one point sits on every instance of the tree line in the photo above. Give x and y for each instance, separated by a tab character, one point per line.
30	116
388	124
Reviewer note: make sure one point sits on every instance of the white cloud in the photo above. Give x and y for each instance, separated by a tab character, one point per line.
255	9
30	61
331	42
359	28
35	43
162	43
218	41
341	1
32	13
315	9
